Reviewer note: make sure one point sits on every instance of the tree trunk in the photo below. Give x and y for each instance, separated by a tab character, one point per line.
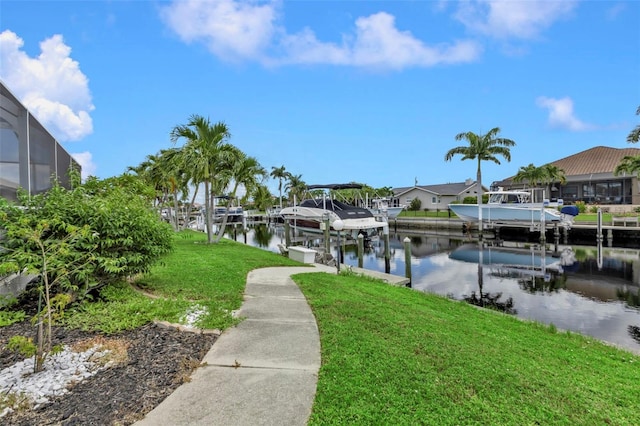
479	185
208	208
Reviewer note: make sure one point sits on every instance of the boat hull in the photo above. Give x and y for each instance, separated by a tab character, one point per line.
508	213
388	212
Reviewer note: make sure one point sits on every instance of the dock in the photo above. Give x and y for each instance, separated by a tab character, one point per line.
627	231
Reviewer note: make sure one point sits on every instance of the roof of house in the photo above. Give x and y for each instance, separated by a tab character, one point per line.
440	189
600	159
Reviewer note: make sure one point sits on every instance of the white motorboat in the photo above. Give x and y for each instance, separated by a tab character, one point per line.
516	206
313	212
381	207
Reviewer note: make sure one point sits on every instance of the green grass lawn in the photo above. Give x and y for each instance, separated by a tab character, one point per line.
195	278
393	355
397	356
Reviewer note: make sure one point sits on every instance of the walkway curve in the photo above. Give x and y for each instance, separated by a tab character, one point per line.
264	371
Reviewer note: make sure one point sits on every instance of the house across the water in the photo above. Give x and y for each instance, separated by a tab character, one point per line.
590	178
436	197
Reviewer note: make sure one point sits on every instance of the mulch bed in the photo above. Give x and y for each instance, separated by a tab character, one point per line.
159	360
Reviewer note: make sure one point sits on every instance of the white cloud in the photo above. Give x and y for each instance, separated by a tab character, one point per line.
230	29
519	19
51	85
561	114
85	160
235	30
377	43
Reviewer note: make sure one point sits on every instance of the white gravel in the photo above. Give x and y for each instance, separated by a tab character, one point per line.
60	371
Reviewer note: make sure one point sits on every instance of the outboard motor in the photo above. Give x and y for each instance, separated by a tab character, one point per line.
568	214
570	210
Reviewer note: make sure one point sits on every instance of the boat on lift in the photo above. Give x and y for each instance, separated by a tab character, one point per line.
315	211
381	207
516	207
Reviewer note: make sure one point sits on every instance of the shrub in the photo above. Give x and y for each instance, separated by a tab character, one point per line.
102	232
415	205
474	200
469	200
582	207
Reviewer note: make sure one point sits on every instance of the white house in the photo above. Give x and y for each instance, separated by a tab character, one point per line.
436	197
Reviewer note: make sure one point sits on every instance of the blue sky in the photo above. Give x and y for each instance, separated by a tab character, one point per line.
337	91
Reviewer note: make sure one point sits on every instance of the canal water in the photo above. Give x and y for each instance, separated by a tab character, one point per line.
587	289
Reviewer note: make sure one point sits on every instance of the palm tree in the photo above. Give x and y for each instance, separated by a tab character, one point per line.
164	172
202	152
629	164
482	148
279	173
295	187
634	136
262	198
244	170
553	174
529	174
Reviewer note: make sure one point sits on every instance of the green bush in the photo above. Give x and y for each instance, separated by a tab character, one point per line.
582	207
474	200
415	205
93	234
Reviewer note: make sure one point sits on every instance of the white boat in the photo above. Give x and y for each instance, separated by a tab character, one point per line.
380	207
516	206
313	212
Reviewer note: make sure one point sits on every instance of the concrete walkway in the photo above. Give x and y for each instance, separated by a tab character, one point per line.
263	371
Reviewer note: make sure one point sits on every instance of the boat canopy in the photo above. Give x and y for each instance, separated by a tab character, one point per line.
497	197
336	186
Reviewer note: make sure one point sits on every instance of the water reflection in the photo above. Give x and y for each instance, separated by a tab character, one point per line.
588	289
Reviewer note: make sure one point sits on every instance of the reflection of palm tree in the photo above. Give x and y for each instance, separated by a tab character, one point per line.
262	234
634	331
535	284
488	300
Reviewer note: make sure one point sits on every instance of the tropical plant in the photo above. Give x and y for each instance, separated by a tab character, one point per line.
543	175
629	164
279	173
79	240
295	187
481	148
246	171
553	173
262	198
204	152
634	135
529	174
166	172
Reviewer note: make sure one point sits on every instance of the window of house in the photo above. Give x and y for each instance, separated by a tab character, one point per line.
570	192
